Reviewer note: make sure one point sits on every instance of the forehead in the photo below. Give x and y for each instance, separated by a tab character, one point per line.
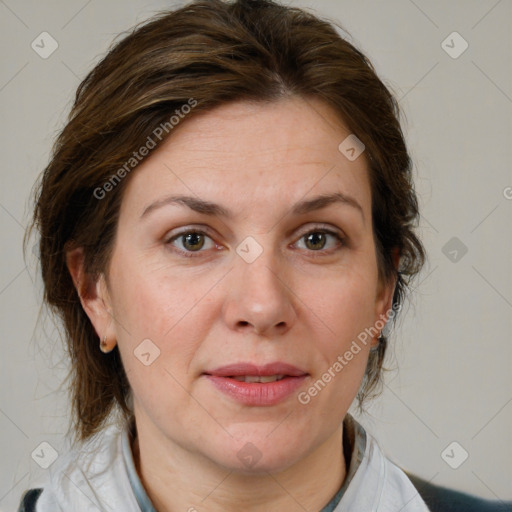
258	152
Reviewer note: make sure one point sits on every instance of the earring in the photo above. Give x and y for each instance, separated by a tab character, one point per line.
376	347
104	346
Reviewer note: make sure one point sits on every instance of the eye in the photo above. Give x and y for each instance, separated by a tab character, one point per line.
320	240
191	242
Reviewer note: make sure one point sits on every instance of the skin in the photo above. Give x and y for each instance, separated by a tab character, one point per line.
294	304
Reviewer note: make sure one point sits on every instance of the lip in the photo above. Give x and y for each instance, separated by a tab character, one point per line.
257	393
275	368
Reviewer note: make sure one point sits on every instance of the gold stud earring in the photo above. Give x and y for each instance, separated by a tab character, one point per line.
104	346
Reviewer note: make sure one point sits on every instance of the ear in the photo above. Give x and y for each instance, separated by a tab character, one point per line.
94	296
385	293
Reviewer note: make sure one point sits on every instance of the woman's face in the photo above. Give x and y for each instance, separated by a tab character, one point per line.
226	255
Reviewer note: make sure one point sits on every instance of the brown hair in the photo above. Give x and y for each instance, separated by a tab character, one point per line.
210	52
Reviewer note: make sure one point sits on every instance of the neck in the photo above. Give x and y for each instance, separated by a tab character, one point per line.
179	480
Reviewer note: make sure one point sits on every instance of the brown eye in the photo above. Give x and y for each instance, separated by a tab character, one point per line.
320	240
189	242
315	241
193	241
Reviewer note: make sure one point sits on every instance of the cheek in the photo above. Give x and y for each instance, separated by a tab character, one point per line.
167	311
343	304
171	310
345	311
152	300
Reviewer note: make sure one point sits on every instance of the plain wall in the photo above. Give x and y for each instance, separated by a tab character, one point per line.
451	353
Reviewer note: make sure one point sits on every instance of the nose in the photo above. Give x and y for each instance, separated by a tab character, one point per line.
259	299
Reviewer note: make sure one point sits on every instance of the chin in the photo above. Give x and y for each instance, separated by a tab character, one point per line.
254	455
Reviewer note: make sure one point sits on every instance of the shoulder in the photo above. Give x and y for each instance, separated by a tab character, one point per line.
86	476
441	499
380	484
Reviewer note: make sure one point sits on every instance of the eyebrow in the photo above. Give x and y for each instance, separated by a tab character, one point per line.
214	209
325	200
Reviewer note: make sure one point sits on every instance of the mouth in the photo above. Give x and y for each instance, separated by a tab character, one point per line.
257	378
253	385
276	370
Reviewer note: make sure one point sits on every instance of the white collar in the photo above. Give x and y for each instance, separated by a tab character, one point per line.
95	478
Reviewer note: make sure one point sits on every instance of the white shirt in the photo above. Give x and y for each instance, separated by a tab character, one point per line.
100	476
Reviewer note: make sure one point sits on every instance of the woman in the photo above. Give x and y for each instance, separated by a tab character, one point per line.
226	228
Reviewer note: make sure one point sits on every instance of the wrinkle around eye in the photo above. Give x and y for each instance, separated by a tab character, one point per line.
337	238
208	243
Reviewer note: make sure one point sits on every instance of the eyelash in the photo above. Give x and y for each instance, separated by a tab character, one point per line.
319	253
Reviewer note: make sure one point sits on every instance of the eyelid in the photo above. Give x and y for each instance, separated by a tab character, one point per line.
328	229
202	230
189	228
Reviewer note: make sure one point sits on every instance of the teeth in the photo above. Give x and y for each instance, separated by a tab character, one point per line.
257	378
269	378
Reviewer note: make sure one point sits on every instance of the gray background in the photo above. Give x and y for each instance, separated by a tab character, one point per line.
452	354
